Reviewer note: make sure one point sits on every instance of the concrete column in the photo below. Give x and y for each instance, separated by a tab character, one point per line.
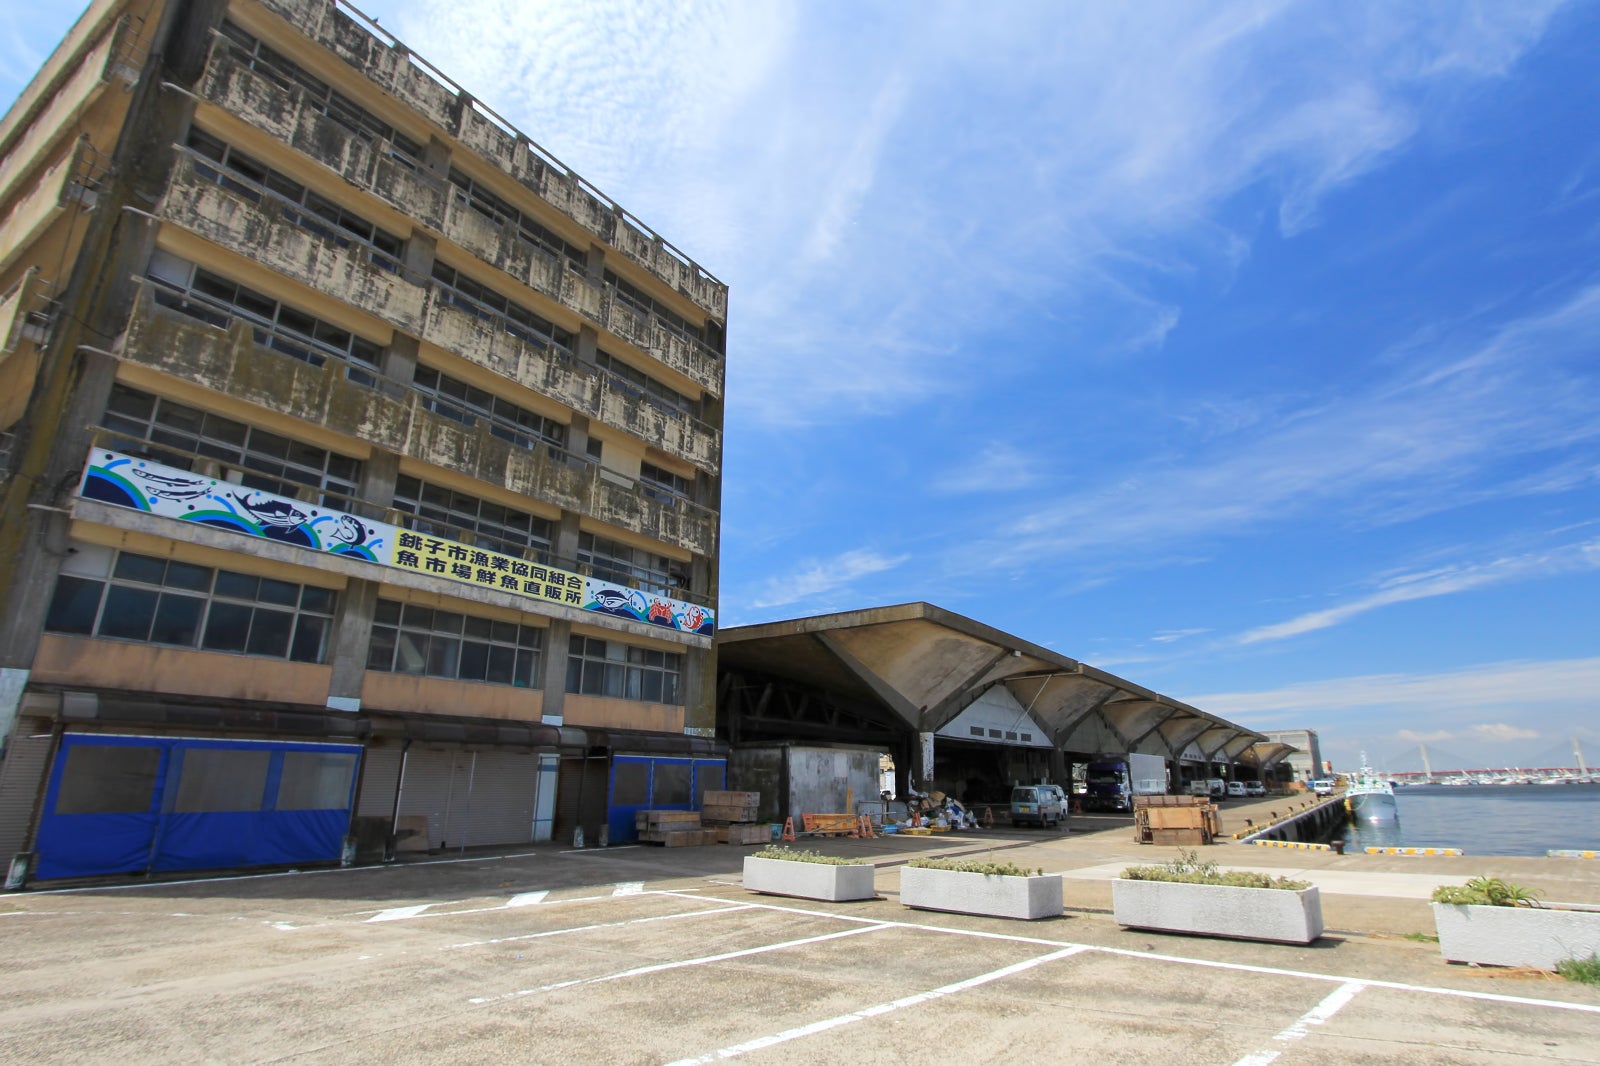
925	762
564	544
595	263
1058	769
588	345
347	644
553	665
419	254
378	476
400	359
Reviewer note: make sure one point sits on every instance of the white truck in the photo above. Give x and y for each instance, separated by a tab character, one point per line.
1112	781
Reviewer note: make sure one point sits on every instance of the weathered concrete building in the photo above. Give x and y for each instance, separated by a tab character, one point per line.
361	462
1304	762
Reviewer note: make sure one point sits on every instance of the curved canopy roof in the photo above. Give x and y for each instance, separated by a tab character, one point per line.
926	665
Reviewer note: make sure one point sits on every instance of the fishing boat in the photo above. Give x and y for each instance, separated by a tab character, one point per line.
1368	797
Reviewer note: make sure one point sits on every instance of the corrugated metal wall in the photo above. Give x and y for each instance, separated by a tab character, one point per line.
20	775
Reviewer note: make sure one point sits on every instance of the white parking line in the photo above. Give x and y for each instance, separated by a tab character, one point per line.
527	899
395	914
660	967
628	888
598	925
1331	1004
1274	971
879	1009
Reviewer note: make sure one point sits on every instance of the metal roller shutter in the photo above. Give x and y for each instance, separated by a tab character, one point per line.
426	790
380	771
504	786
20	775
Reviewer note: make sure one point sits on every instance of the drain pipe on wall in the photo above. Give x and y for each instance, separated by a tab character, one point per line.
394	816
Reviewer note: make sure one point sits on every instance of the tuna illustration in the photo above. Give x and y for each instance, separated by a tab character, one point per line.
272	512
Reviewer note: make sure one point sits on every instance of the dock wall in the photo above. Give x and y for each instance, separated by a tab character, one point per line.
1311	825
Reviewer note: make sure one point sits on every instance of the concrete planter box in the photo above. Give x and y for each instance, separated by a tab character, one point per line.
1275	914
1516	936
808	880
993	895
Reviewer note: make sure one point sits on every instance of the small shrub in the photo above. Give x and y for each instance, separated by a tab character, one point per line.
793	855
1586	971
1486	892
1189	869
974	866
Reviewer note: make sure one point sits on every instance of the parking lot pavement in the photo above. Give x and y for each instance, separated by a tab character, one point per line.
535	958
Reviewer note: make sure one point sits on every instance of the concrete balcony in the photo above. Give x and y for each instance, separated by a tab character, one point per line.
387	63
554	372
270	232
73	179
113	60
362	162
230	360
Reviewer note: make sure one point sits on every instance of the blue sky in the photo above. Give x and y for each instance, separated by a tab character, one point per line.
1249	351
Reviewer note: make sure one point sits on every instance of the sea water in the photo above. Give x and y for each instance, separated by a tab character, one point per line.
1487	819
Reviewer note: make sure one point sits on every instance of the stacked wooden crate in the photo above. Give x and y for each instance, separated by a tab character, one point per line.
733	816
674	829
1181	820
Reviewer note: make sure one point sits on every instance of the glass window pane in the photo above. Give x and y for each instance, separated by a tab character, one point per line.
221	779
387	614
574	675
502	661
177	620
282	593
316	781
237	586
651	688
614	678
188	576
132	567
526	668
443	654
128	612
227	627
108	779
418	617
380	650
480	628
315	599
411	654
269	633
310	634
474	661
76	602
446	622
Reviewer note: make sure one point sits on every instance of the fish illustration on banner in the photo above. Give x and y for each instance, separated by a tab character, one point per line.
143	485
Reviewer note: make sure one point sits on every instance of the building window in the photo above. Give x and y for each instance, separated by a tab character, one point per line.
642	386
316	96
296	203
407	639
497	210
634	567
641	303
609	668
260	460
440	512
457	289
218	301
466	404
663	485
164	601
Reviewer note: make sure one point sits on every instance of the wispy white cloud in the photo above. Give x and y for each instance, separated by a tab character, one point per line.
816	578
999	467
1501	732
1444	581
1435	737
1517	687
1173	635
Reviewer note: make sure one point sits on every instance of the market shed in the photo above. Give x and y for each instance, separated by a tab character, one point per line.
952	699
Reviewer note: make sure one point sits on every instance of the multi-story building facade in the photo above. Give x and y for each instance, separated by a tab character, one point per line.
1305	763
360	478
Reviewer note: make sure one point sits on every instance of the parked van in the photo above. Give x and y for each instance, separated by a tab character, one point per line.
1255	788
1198	787
1041	805
1236	788
1219	787
1323	786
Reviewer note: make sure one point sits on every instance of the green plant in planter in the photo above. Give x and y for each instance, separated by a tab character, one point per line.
1586	971
1486	892
1189	869
974	866
793	855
